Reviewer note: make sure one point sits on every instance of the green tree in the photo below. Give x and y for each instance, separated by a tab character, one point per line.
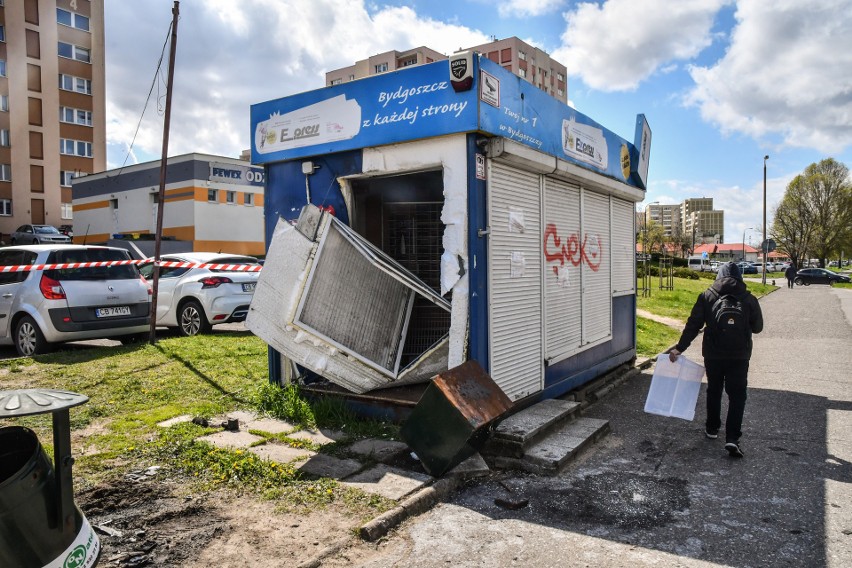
815	214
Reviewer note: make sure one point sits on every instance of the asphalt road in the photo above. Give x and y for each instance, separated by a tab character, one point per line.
657	493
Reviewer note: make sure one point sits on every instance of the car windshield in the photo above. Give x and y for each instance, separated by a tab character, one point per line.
121	272
45	230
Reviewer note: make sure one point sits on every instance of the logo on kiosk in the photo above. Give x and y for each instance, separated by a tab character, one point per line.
461	71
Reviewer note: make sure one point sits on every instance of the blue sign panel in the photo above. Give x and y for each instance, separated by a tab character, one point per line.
515	109
418	102
464	94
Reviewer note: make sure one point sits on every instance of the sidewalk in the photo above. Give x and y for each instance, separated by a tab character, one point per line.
656	492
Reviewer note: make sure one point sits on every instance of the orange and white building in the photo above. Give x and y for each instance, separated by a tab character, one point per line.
213	202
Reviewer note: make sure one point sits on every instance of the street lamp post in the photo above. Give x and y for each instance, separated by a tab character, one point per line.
764	245
744	232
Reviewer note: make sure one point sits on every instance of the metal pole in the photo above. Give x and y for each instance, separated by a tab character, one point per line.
152	333
765	246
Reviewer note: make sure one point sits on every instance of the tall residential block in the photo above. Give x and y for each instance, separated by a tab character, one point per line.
52	106
513	54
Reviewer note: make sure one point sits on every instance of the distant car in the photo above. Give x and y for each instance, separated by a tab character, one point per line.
67	230
42	307
194	299
747	268
38	235
808	276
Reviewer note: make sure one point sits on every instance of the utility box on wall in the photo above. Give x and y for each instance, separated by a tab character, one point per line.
506	214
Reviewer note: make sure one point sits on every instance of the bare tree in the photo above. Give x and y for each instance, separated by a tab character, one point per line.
815	214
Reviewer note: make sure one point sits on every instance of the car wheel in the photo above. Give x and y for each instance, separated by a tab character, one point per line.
14	242
35	241
191	319
29	340
798	281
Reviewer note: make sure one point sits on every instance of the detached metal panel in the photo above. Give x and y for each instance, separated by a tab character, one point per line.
596	246
623	251
515	287
562	280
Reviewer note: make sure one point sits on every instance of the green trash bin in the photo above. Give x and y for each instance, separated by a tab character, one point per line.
40	526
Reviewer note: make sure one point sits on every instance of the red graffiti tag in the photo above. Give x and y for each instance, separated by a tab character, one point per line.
590	251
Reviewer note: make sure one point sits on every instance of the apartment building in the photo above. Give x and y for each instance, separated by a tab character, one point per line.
382	63
513	54
52	106
695	217
529	63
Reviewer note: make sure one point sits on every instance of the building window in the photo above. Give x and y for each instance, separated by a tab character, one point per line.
522	73
381	67
6	207
351	77
248	199
5	172
71	19
336	81
2	32
113	204
65	177
560	92
66	211
521	55
213	195
75	116
5	140
70	147
560	76
2	67
231	197
76	84
409	61
4	103
71	51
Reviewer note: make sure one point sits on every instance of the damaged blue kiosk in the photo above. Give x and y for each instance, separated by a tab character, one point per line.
448	212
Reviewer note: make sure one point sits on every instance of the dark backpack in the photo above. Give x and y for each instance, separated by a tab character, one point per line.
729	322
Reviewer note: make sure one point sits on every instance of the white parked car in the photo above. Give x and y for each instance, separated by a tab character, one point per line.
42	307
194	299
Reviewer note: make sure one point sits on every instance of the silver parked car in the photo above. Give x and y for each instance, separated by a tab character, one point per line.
42	307
194	299
38	235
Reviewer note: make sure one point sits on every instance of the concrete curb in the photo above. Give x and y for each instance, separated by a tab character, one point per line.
417	504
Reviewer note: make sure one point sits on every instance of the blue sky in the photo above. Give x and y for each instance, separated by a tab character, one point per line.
722	83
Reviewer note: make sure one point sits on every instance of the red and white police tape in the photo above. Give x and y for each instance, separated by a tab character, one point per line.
163	264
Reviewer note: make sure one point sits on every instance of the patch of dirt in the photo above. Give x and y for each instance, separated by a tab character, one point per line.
152	522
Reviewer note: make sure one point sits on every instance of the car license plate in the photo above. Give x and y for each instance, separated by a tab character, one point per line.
249	286
112	311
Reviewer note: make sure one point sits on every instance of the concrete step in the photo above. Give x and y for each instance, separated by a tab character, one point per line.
551	453
516	434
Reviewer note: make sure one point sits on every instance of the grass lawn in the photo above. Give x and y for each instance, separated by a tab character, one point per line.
132	388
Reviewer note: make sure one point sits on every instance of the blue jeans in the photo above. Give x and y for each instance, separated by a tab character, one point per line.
732	376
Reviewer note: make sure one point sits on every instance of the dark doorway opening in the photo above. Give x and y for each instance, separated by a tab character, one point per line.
401	215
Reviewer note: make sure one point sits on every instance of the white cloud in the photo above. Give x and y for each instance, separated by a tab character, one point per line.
786	74
527	8
620	43
231	55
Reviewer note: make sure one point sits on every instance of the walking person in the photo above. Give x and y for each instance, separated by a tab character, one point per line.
729	314
790	274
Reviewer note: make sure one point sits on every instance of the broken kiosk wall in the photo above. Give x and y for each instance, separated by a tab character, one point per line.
538	238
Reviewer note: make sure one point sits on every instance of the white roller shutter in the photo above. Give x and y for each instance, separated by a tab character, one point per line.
596	270
562	273
514	283
623	247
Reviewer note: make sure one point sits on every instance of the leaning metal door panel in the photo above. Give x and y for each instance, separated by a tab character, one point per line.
514	281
